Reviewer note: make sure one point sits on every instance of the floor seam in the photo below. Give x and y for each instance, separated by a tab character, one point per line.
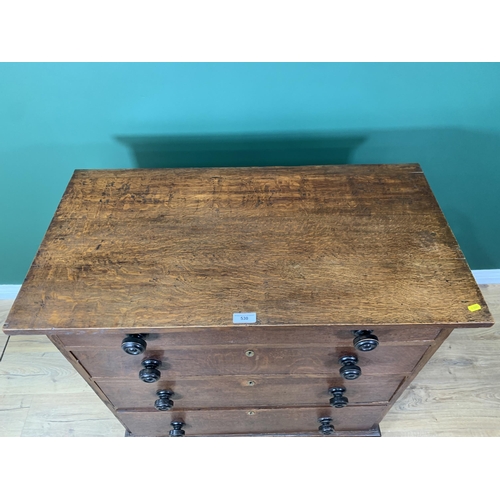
30	408
4	347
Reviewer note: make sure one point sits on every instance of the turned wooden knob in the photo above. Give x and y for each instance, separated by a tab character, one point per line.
338	400
364	340
349	370
177	429
164	403
134	344
326	428
150	373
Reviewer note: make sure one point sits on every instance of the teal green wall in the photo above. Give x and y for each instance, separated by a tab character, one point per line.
55	118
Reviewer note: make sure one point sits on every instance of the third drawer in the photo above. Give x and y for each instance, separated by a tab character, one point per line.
258	391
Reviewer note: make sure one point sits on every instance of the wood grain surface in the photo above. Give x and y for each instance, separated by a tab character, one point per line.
319	245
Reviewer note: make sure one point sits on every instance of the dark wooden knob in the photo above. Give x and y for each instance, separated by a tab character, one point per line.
134	344
338	400
150	373
326	428
177	429
164	403
349	370
364	340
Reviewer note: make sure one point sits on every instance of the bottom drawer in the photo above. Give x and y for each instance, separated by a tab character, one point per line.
249	421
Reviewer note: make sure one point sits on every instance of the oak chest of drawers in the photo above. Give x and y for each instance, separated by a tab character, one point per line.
293	301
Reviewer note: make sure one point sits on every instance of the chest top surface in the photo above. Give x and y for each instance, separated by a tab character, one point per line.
313	245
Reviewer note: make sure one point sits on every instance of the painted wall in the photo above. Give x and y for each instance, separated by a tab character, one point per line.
55	118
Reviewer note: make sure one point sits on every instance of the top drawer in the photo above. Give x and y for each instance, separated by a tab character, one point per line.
293	335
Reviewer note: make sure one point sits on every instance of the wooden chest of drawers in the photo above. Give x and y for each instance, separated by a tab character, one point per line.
249	301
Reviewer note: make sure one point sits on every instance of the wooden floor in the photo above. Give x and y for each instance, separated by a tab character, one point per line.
456	394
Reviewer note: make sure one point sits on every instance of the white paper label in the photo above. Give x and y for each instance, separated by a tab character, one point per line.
244	317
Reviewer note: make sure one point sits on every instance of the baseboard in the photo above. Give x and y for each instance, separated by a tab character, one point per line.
482	277
9	291
487	276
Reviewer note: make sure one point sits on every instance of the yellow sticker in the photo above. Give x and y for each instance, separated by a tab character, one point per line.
474	307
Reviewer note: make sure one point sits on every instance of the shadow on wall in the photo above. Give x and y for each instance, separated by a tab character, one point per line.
462	167
243	150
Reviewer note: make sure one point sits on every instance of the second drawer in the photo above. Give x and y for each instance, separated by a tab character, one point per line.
179	362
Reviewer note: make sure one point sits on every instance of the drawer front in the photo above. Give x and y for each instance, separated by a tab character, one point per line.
306	335
200	361
256	391
251	421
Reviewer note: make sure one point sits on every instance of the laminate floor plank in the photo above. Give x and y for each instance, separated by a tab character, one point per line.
456	394
23	344
38	373
14	409
70	415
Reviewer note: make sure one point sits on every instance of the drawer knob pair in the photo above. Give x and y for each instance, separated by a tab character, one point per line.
135	344
326	428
